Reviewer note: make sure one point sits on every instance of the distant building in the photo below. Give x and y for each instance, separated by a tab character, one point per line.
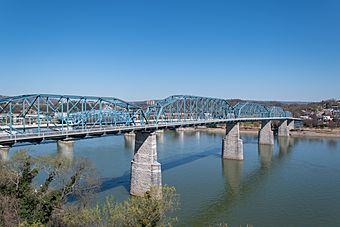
150	102
327	118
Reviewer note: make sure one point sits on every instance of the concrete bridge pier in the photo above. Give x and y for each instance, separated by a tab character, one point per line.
266	135
290	124
145	170
65	148
4	150
283	129
131	134
232	146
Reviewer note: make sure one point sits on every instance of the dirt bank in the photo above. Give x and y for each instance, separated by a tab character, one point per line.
302	132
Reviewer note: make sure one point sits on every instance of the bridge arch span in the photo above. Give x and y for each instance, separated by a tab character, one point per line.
60	112
188	108
275	111
250	109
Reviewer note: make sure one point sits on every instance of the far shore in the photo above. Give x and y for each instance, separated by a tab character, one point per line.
300	132
315	132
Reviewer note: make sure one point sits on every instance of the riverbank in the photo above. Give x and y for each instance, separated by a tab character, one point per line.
315	132
300	132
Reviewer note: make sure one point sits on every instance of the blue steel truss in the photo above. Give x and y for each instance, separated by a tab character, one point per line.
188	108
38	113
275	111
249	109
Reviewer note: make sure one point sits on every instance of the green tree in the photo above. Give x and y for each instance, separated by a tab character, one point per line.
31	204
136	211
26	202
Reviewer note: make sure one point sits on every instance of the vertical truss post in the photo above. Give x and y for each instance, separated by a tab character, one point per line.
67	113
171	113
47	115
23	116
82	114
140	116
184	109
62	115
202	109
86	114
196	107
115	114
190	107
177	105
101	113
38	104
127	116
10	119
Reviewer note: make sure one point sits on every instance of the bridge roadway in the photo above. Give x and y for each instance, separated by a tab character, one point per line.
11	140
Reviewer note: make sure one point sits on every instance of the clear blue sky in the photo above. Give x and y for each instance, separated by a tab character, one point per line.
135	50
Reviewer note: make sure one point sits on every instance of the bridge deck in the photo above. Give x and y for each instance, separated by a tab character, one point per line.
107	130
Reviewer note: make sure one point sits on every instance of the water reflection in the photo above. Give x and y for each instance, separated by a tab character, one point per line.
238	186
265	154
181	136
232	170
249	138
129	141
160	136
332	144
198	135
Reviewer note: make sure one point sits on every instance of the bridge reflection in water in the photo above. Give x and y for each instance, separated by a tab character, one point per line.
239	186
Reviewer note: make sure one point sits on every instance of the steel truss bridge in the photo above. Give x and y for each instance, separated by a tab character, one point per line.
38	117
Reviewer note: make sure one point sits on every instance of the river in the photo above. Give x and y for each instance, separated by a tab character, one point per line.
294	183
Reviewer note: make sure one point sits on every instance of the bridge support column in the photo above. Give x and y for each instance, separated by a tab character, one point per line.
290	124
4	150
232	146
65	148
132	134
266	135
283	129
145	170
